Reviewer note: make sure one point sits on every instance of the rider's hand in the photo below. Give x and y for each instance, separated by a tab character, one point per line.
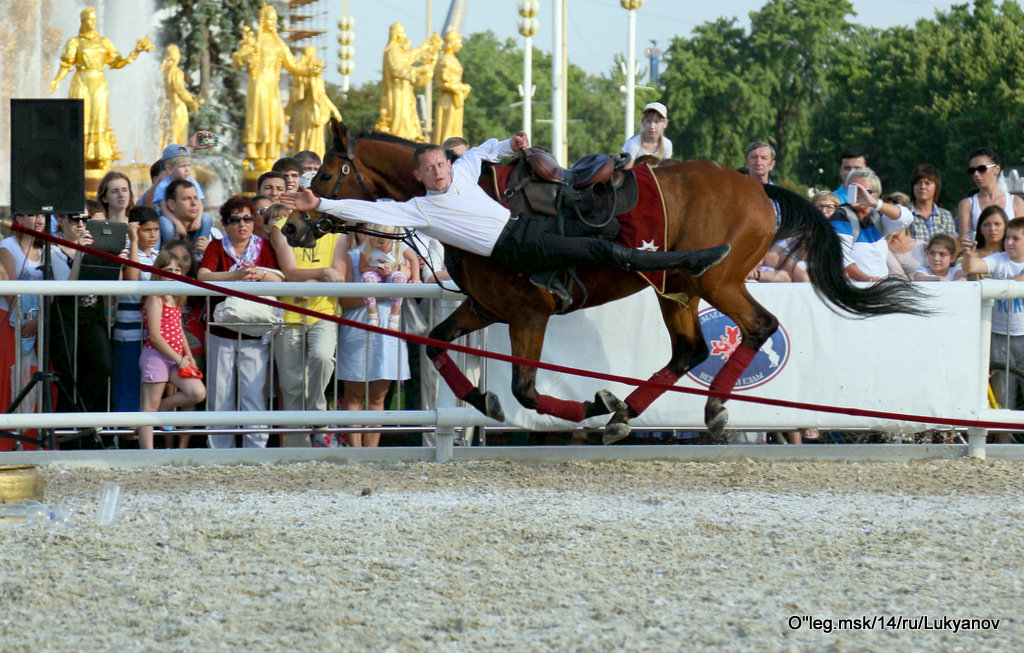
520	141
302	199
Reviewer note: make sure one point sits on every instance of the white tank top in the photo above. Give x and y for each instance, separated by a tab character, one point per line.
32	270
976	209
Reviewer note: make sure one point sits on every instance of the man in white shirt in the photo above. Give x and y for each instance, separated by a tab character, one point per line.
457	212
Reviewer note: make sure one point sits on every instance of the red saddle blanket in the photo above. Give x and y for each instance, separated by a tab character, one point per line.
644	227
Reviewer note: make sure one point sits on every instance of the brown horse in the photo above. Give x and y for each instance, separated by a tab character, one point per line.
707	204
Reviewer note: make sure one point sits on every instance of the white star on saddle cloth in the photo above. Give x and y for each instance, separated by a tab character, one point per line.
648	245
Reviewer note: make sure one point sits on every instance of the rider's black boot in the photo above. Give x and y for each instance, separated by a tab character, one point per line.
696	262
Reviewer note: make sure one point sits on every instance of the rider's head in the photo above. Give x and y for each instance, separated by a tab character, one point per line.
431	167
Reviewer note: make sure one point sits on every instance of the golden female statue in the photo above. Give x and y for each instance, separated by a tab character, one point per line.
264	54
89	53
176	101
404	70
308	105
451	91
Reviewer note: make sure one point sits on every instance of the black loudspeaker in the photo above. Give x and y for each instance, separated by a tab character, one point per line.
47	156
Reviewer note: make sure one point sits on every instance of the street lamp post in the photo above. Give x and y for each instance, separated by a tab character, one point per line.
346	35
528	27
631	6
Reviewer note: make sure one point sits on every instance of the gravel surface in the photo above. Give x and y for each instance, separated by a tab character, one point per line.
485	556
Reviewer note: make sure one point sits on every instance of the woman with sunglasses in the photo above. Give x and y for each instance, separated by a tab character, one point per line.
984	169
237	363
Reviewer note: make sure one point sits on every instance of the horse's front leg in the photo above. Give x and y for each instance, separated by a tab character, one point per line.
463	320
526	333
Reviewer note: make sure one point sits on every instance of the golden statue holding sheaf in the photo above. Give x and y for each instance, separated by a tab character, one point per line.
451	91
176	101
264	54
308	105
404	70
89	53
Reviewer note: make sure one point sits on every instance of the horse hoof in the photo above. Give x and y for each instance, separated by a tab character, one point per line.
605	402
492	407
615	432
716	424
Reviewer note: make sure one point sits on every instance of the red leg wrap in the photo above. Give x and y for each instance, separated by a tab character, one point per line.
568	410
726	378
452	375
644	396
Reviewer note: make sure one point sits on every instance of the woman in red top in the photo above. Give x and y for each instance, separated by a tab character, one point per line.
166	354
237	363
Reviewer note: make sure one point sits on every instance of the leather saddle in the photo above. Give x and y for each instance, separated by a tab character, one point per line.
594	190
583	200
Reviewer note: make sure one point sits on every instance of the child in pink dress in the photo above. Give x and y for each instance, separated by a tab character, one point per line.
166	357
385	260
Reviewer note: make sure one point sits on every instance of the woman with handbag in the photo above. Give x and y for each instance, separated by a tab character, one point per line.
237	360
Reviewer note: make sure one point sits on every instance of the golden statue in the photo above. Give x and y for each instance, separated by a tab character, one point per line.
176	101
264	54
308	105
404	70
451	92
89	53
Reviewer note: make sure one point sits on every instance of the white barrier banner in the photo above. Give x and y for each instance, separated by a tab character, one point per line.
894	363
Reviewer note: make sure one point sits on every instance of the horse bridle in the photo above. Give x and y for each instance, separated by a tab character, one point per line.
349	165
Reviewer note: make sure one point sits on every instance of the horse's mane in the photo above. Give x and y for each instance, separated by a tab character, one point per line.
382	137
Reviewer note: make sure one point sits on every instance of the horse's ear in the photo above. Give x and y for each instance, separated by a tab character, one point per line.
340	133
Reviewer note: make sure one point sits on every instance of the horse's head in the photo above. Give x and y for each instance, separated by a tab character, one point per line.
300	231
366	167
357	166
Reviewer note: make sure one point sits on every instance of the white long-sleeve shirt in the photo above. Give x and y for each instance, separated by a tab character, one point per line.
462	216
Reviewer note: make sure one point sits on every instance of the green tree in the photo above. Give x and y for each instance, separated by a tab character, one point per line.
360	107
728	87
933	93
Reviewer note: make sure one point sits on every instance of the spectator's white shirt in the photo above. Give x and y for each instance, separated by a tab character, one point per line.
634	147
1007	314
870	252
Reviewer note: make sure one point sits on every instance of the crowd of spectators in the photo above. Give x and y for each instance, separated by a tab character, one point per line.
142	352
905	235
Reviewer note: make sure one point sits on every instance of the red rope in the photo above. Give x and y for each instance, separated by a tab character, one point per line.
515	360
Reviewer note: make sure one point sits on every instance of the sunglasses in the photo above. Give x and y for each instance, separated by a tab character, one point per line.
238	219
982	169
78	218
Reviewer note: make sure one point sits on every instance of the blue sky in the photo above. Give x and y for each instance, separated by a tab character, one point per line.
596	29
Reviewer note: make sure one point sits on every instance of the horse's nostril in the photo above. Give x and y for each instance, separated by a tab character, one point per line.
288	229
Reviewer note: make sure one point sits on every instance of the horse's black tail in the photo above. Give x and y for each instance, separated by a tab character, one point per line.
816	238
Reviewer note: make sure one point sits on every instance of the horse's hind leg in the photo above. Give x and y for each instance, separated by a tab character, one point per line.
688	350
526	332
756	325
462	321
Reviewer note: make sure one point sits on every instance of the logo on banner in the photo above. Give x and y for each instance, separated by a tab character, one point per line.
723	337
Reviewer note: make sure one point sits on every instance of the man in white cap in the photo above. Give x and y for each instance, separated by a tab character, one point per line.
651	140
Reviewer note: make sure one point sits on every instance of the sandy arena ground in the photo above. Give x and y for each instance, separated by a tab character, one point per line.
484	556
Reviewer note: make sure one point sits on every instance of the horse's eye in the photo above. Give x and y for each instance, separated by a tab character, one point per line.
325	177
